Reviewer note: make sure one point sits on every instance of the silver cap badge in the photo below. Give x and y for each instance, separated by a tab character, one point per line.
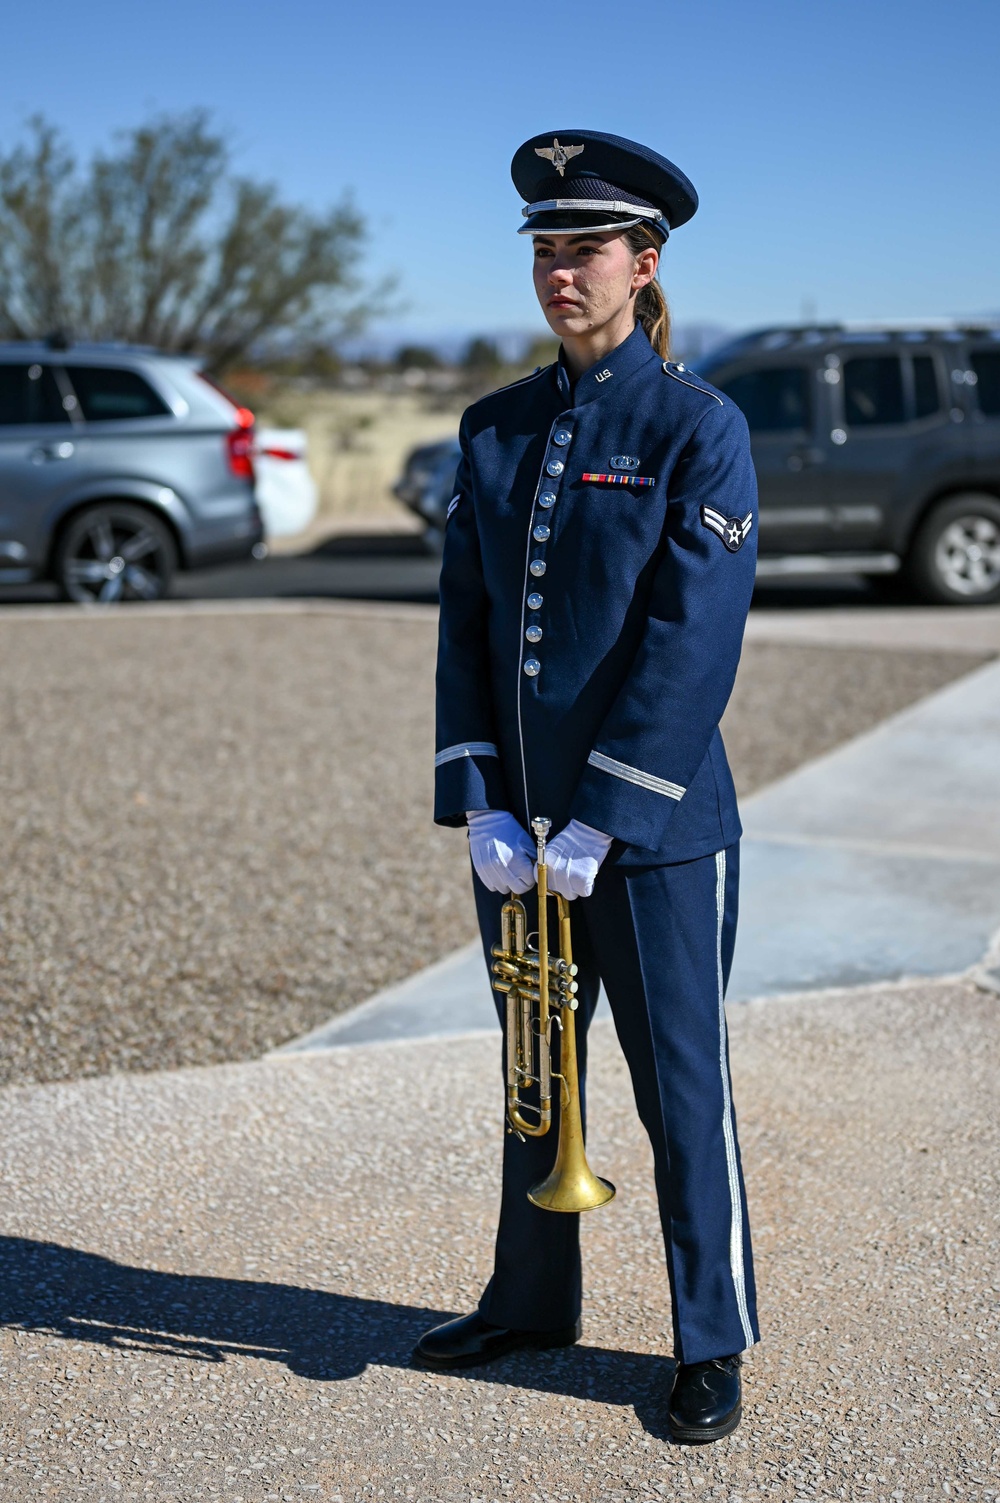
558	155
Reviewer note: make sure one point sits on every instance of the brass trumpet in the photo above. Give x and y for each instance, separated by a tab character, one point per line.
541	995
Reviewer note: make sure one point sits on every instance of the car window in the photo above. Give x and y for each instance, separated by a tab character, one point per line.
873	391
107	394
926	396
773	399
28	394
986	364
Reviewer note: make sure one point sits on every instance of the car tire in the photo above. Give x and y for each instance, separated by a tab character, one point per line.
955	556
115	552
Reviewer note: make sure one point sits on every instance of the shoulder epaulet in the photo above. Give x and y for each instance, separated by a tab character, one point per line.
681	373
522	381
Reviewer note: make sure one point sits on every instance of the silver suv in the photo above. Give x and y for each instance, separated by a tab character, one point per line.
117	466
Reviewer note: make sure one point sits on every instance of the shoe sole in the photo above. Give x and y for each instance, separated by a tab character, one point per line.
541	1341
696	1435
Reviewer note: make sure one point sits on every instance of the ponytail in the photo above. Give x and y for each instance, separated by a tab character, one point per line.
651	310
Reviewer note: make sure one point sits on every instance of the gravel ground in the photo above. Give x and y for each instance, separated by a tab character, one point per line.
216	827
210	1280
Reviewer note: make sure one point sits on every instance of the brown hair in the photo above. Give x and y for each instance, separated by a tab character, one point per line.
651	308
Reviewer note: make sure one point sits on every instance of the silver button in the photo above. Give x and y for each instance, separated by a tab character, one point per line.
561	436
555	467
532	667
534	601
547	499
541	533
537	567
534	634
681	366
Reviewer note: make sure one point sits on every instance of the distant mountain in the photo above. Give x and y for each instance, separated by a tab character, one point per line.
691	341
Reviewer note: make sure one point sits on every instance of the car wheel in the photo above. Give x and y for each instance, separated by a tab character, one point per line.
115	552
955	558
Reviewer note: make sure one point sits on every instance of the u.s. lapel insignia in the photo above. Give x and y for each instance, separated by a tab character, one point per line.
624	462
558	155
731	530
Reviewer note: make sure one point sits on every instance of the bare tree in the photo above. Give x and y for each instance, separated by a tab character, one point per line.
156	242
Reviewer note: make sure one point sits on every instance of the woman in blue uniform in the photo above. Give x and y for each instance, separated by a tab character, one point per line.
598	567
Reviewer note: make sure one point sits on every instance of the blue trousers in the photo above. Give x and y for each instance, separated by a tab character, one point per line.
661	939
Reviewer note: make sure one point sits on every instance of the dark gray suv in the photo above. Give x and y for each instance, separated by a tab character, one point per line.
117	466
877	451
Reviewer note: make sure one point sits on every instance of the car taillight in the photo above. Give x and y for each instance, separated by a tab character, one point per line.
239	445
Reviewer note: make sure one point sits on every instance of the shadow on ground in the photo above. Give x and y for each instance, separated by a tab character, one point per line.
60	1291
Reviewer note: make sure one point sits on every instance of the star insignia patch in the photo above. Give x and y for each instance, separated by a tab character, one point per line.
731	530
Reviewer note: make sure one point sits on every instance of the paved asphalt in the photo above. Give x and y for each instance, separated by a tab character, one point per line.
391	566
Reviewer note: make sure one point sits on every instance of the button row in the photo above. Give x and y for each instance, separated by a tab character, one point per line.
541	532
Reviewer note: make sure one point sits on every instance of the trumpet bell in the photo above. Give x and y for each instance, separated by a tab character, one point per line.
579	1190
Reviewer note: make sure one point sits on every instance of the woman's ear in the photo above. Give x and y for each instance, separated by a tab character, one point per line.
645	268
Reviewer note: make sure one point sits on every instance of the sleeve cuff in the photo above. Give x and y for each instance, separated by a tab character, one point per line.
467	776
625	801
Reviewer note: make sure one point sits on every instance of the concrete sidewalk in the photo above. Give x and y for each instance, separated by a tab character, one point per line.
210	1280
877	861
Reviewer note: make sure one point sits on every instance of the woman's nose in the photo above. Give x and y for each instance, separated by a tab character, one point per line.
560	275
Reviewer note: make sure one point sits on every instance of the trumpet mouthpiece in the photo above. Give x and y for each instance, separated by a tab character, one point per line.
540	827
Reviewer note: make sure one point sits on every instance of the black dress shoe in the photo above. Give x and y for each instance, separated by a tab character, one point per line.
706	1402
470	1340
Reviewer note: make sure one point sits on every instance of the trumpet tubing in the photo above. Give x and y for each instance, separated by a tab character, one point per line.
541	997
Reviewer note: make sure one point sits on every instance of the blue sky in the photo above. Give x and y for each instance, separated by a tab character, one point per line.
847	154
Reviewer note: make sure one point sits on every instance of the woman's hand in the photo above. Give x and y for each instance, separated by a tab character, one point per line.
502	853
573	860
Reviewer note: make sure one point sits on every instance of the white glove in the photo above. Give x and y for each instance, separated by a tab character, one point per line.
573	859
502	853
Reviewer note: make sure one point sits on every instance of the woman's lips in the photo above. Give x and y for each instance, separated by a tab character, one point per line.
561	302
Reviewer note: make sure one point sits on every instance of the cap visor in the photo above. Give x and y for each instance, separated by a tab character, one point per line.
566	222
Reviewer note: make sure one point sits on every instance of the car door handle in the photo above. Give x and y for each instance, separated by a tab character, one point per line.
802	459
45	452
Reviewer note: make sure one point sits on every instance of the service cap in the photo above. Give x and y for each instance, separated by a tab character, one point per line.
575	181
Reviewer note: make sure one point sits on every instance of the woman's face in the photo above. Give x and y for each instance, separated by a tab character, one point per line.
585	282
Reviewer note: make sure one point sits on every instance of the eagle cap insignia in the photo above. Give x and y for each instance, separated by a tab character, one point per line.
558	155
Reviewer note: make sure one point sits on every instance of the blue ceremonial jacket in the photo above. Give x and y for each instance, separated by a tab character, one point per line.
598	566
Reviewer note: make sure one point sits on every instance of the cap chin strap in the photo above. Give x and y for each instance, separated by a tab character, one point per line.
599	205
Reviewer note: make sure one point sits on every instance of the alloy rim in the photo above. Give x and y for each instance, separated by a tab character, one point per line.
967	556
115	559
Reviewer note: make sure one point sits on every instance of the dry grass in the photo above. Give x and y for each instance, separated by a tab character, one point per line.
358	442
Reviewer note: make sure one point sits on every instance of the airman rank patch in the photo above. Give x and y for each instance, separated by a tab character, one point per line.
452	506
619	479
731	530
